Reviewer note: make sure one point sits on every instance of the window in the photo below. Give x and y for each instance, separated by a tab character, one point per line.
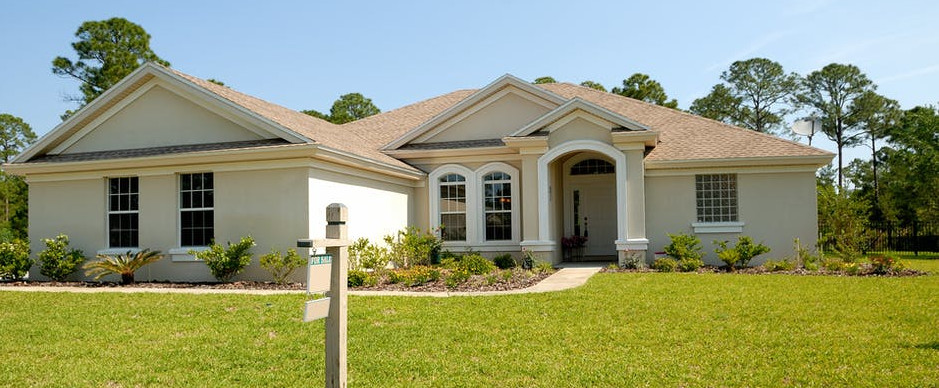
717	197
497	205
123	212
592	166
453	207
196	209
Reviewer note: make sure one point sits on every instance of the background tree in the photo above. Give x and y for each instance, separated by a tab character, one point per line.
108	51
832	92
763	90
720	104
349	107
642	87
545	80
877	114
593	85
910	162
15	135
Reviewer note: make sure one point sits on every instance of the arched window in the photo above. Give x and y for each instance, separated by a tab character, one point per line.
497	205
453	207
592	166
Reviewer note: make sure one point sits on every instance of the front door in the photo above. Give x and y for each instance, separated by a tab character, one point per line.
591	204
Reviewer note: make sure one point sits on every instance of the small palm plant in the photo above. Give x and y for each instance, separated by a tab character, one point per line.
124	264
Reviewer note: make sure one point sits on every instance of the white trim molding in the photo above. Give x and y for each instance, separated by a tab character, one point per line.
717	227
544	208
632	244
183	255
433	186
515	202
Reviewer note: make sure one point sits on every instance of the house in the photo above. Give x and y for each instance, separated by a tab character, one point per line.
168	161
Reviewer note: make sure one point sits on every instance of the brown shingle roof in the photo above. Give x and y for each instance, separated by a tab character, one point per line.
318	130
685	136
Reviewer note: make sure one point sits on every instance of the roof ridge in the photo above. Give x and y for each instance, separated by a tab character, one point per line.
684	113
403	107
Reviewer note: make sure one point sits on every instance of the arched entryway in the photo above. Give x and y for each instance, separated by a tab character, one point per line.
606	194
589	202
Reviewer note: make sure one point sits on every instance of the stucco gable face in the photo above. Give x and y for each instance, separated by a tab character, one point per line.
493	118
157	116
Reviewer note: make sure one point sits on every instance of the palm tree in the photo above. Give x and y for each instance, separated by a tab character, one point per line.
124	264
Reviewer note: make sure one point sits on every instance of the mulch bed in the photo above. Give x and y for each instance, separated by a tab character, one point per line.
475	283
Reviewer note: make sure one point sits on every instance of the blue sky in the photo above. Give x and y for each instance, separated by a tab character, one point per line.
304	54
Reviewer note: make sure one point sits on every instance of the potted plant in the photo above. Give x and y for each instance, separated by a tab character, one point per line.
573	247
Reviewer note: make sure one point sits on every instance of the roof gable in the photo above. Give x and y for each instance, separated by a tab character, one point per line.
506	98
574	105
144	94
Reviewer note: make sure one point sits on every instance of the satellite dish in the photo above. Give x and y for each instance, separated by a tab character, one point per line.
807	127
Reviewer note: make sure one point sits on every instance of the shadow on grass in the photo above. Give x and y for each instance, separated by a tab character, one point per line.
934	345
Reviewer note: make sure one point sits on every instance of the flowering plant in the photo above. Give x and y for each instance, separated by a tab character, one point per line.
573	241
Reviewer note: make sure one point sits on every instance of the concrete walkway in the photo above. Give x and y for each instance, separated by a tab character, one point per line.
570	275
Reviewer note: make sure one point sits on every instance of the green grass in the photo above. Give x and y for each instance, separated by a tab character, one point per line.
622	329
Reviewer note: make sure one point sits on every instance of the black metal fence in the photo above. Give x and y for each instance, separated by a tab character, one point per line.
887	236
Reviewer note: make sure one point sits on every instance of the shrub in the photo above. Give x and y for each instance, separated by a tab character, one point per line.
833	264
410	246
684	246
505	261
885	265
689	264
356	278
14	259
456	278
741	254
415	276
57	261
665	264
476	264
226	263
367	256
803	257
781	265
281	265
507	275
632	261
124	264
544	267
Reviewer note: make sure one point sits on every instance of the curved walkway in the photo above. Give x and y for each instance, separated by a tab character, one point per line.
569	276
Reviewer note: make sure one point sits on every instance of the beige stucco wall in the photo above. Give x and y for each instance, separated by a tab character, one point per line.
269	205
75	208
579	129
160	117
376	208
775	208
500	118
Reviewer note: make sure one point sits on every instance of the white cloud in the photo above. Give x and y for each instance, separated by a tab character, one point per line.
746	53
910	74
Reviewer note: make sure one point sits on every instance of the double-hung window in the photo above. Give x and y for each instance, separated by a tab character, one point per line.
453	207
123	212
196	209
497	205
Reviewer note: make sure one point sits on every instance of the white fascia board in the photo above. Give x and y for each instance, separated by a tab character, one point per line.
815	161
473	99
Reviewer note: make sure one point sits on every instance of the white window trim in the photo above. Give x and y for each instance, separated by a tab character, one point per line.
718	227
434	199
117	251
107	217
183	255
481	209
184	251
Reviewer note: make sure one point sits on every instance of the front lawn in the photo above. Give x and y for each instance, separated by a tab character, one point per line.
621	329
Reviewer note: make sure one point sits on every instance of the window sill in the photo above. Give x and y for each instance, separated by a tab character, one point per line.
117	251
182	254
717	227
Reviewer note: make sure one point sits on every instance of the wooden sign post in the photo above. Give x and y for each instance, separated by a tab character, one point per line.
331	269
